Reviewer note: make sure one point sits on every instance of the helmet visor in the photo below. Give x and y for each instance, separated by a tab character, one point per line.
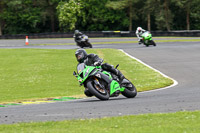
79	56
76	31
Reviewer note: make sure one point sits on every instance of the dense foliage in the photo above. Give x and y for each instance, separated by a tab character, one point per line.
38	16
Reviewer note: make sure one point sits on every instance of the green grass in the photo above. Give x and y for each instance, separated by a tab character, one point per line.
179	122
42	73
36	73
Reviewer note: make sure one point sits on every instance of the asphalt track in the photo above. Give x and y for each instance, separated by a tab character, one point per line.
178	60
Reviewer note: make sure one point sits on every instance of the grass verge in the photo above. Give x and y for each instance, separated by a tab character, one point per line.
41	73
179	122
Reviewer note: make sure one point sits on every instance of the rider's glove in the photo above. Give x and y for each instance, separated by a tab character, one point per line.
97	63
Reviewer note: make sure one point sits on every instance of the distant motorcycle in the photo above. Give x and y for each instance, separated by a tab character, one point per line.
83	41
147	39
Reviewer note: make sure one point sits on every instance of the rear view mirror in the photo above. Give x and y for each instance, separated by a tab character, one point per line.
74	73
117	66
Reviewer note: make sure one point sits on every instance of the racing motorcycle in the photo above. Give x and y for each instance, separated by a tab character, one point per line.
103	84
147	39
83	41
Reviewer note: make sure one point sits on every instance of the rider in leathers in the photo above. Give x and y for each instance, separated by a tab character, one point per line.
139	33
94	60
77	36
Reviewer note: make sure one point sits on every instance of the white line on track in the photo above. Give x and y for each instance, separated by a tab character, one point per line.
174	84
174	81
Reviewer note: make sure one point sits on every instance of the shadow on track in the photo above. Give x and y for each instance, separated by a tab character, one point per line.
92	100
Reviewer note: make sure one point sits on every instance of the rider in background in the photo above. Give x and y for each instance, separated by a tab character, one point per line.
94	60
77	36
139	33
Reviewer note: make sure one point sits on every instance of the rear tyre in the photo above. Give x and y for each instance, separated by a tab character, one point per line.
100	93
153	43
80	45
89	44
130	91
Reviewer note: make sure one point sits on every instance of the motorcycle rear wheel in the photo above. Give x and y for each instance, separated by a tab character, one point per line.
89	44
100	93
130	92
80	45
153	43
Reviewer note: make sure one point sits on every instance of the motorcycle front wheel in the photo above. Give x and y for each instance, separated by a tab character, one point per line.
97	91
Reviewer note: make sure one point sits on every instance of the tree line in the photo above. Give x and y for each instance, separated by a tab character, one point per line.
39	16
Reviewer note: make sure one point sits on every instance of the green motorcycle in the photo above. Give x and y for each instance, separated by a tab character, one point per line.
147	39
103	84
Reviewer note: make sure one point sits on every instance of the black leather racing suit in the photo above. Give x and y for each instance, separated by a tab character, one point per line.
93	58
78	37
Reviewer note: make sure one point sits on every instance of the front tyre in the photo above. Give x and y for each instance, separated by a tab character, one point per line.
100	93
130	90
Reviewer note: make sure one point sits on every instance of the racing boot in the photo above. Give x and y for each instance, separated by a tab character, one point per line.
110	68
119	74
140	41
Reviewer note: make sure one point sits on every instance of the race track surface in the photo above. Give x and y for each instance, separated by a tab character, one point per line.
178	60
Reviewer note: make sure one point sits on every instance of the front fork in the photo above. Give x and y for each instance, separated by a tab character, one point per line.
96	81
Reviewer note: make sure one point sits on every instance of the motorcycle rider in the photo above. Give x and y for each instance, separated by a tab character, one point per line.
77	36
139	33
94	60
81	39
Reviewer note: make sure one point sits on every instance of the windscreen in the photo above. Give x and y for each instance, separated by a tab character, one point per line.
145	34
80	67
